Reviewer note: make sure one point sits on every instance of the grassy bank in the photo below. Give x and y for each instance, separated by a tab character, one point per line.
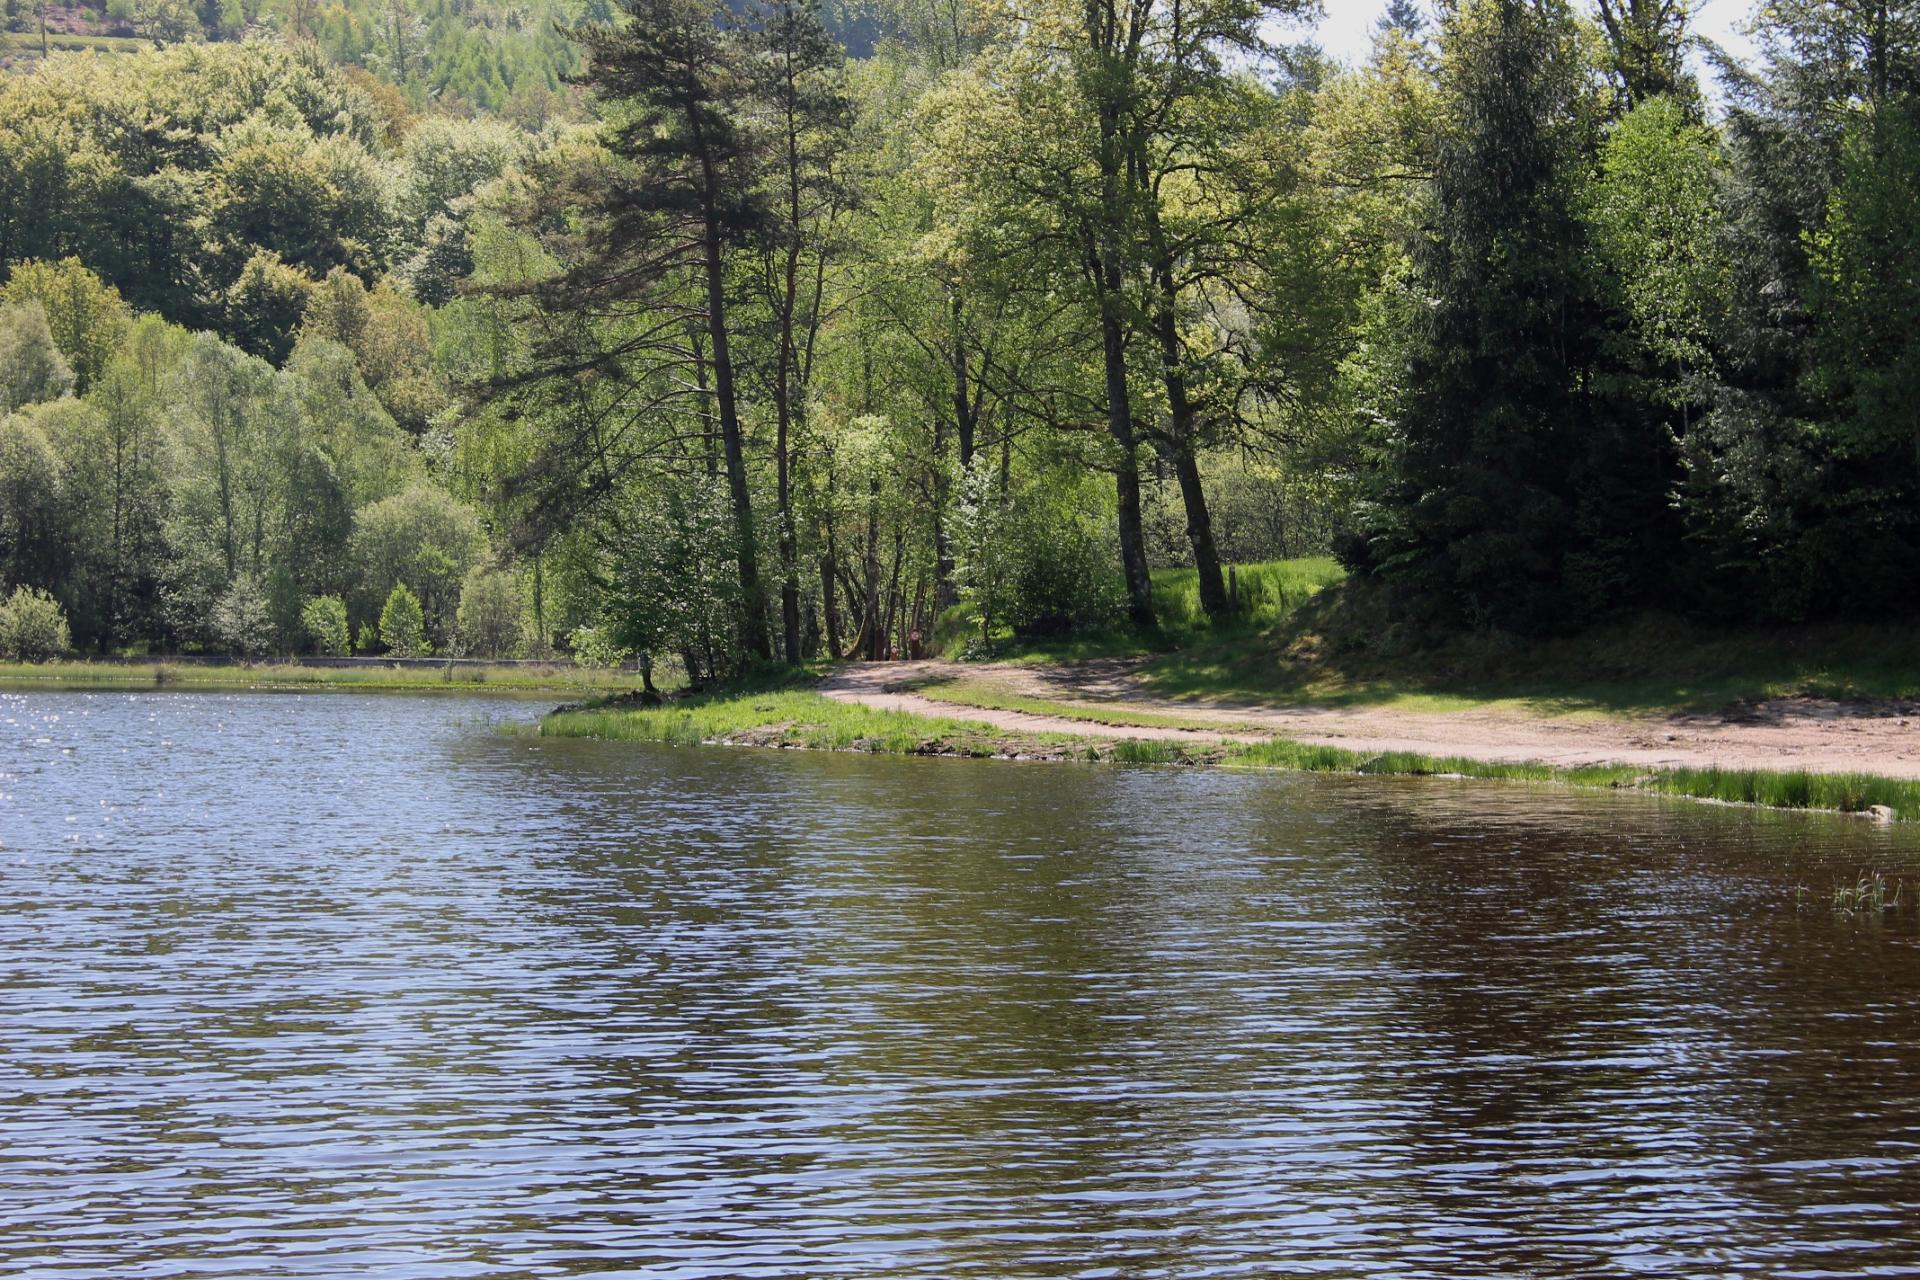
1344	647
987	694
268	675
800	718
1305	636
1266	595
795	717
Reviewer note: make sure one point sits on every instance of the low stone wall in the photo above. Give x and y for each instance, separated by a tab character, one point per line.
423	664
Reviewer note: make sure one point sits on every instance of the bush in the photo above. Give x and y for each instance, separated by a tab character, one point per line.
369	641
33	626
594	647
489	620
324	618
1064	577
242	619
403	626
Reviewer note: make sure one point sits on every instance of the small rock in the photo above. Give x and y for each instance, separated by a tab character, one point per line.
1882	814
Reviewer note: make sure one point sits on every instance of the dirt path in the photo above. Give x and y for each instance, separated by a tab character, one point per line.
1825	737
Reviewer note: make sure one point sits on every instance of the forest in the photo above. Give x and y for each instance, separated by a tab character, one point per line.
668	328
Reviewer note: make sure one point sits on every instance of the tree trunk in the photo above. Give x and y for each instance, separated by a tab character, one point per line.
830	604
964	424
753	623
709	437
1133	542
943	561
870	624
1206	556
783	492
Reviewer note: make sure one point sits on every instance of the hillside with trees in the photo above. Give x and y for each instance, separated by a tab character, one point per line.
672	328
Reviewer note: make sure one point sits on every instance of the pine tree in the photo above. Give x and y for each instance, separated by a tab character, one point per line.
1506	503
1404	17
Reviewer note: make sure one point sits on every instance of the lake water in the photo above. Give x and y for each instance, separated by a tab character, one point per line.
344	985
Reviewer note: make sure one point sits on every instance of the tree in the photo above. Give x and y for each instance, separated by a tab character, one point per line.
1501	502
1646	45
166	22
34	529
31	366
1404	17
681	197
490	621
424	540
85	316
265	304
983	554
799	80
33	627
664	563
241	618
402	626
324	619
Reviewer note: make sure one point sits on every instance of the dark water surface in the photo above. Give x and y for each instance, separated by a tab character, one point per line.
345	985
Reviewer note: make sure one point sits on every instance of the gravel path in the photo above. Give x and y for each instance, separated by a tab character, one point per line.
1801	733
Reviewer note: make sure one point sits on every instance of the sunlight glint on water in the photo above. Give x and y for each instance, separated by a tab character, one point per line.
340	985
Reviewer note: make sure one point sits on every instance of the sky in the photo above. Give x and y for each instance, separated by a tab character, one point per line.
1347	30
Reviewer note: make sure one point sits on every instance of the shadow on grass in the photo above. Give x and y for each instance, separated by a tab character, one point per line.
1340	649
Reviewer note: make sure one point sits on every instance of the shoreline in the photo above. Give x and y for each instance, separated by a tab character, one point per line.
371	676
821	718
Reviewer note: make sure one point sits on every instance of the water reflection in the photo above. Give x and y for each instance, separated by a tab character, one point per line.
344	985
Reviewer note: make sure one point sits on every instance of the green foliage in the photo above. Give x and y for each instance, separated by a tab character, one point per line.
263	306
34	526
33	626
324	619
403	625
983	547
1064	577
490	622
1866	262
85	316
243	619
1518	492
673	583
594	647
1658	224
32	369
424	540
170	173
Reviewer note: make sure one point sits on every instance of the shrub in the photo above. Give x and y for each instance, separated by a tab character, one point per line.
242	619
489	620
324	618
369	641
33	626
593	647
1064	577
403	627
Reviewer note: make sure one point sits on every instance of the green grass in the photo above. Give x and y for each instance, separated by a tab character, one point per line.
990	696
1266	594
1789	789
777	712
1299	643
1346	647
775	716
114	675
18	43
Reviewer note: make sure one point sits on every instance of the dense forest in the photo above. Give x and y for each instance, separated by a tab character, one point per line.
672	328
